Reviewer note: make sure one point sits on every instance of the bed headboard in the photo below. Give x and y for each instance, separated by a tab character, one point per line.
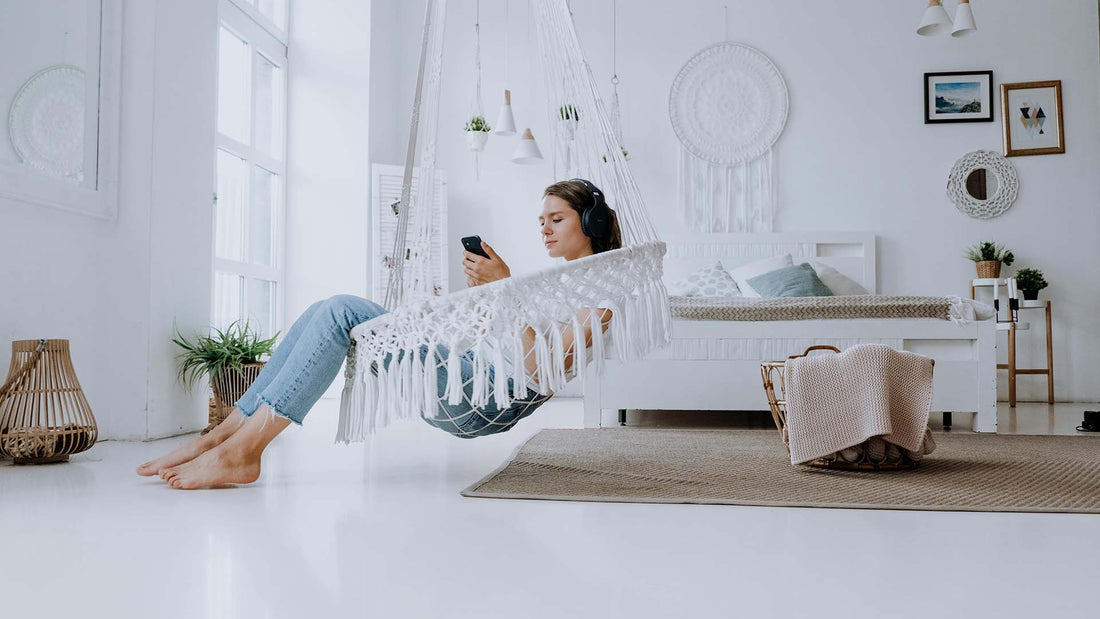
851	253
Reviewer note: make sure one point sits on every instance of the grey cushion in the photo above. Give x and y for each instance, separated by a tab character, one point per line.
794	281
710	281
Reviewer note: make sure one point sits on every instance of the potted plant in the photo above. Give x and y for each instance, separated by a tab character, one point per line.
1030	282
229	358
626	155
988	258
477	132
569	118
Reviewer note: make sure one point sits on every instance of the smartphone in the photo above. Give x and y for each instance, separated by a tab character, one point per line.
472	244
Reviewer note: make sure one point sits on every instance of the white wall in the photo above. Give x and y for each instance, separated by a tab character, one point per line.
855	154
115	288
328	172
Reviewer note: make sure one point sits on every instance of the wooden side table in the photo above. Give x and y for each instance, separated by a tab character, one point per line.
1011	328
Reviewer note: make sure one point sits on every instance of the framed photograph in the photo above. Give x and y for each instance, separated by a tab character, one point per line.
1032	118
958	97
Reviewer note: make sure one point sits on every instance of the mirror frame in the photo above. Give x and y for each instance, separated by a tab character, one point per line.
1008	184
101	199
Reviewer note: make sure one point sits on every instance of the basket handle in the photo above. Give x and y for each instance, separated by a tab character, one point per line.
815	347
17	375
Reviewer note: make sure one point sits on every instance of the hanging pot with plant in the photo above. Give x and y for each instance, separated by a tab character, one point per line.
229	358
1030	282
477	133
988	258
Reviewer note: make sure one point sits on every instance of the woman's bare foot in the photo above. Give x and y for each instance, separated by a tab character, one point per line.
194	448
215	468
236	460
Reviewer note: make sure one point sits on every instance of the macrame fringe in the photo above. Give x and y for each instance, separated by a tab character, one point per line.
407	386
728	198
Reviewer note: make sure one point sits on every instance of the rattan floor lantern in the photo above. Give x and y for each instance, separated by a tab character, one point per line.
44	416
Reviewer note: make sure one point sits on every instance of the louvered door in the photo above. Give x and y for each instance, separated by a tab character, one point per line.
385	192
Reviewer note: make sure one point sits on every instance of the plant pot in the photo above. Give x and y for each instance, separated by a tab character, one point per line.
475	140
988	269
1030	295
228	386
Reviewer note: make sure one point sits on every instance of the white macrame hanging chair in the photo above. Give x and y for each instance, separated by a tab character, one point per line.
392	365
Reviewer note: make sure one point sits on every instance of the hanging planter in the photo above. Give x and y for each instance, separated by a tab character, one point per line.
626	155
569	117
477	133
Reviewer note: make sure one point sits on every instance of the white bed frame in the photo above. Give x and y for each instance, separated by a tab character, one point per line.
964	379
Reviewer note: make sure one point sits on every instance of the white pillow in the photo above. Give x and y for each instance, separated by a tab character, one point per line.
838	282
742	273
710	281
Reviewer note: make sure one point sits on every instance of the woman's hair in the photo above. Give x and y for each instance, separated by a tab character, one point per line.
577	196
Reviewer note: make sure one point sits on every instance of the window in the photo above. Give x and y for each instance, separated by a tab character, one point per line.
250	164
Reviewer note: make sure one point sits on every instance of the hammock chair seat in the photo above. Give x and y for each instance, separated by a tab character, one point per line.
464	353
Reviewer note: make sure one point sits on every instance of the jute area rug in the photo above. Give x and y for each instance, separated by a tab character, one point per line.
968	472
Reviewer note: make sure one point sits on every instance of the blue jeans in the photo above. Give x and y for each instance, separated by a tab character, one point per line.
309	357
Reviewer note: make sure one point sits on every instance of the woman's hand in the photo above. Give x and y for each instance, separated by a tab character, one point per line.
481	270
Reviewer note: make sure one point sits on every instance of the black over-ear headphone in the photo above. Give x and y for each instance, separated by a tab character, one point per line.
596	217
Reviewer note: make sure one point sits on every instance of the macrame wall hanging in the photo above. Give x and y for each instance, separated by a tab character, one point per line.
728	106
477	129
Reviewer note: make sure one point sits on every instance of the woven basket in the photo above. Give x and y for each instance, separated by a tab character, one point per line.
44	416
989	269
228	385
874	454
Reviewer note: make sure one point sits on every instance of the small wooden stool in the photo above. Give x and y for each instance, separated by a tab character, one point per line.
1011	328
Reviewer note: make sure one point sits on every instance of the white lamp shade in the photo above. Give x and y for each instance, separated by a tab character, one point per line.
506	123
527	151
935	20
964	20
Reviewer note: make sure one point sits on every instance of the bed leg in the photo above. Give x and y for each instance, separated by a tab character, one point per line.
946	421
622	416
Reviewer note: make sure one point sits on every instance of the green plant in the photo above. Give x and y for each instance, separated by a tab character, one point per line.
626	155
1030	279
988	250
477	123
568	112
206	355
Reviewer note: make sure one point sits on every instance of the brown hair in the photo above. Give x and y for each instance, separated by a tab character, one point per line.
579	198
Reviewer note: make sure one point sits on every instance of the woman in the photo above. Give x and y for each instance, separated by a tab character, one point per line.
574	223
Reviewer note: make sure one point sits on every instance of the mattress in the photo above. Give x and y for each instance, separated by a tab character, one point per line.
819	308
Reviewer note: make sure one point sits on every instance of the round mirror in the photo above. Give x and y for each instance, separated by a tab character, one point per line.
983	184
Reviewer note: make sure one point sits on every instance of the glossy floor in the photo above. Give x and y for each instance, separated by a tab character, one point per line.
380	530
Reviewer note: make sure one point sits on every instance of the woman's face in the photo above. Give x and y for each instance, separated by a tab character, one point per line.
560	226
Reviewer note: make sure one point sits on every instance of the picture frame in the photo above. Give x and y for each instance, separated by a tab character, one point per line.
958	97
1026	118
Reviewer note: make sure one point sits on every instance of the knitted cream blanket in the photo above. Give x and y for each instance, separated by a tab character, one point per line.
835	401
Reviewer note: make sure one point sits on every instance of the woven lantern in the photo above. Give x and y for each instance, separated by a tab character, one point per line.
44	416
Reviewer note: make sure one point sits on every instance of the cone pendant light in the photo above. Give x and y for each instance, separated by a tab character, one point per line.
935	20
527	151
506	122
964	20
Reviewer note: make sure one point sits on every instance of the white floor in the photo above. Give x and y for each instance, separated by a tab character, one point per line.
335	531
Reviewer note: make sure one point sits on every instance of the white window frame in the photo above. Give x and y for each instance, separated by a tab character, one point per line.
263	38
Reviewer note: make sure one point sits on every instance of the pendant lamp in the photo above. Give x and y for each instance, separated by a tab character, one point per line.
964	20
527	150
506	122
935	20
